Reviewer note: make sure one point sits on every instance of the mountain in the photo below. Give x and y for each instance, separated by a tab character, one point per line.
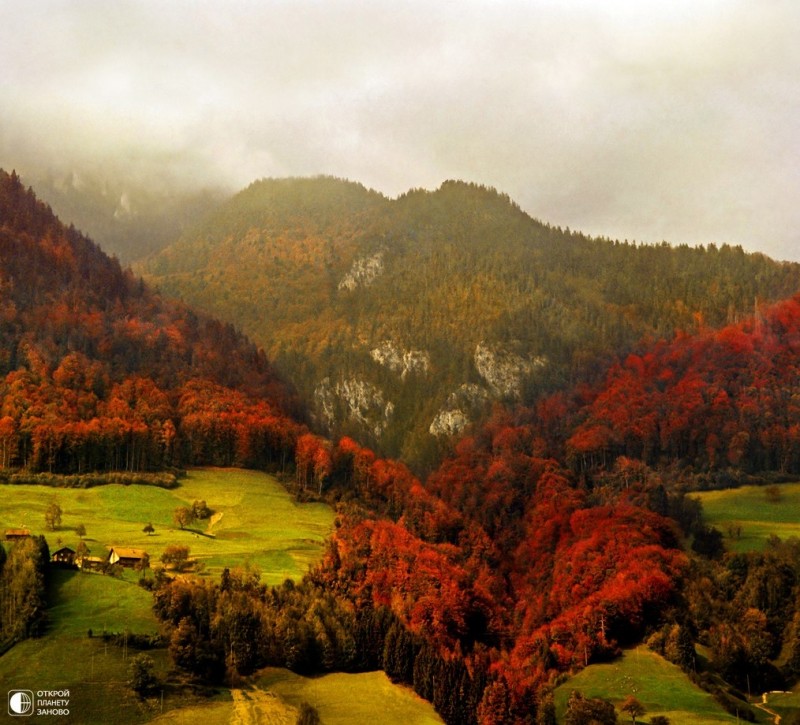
98	372
550	537
541	546
401	321
126	217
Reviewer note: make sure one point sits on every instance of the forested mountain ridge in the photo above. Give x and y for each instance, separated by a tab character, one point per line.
102	374
98	372
401	320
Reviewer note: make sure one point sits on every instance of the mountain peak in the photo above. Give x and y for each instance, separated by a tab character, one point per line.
322	271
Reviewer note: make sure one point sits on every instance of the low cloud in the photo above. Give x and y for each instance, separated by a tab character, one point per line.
676	123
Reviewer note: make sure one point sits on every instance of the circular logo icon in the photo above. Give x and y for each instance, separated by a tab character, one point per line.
20	702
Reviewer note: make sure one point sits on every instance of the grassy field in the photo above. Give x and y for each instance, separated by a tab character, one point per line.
256	521
95	672
758	517
79	602
275	696
660	686
343	699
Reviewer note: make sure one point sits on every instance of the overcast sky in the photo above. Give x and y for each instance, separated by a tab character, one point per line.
632	119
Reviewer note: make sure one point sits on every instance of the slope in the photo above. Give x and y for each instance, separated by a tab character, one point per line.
101	373
400	321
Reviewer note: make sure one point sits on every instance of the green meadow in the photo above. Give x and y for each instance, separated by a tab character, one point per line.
274	696
750	508
659	685
343	699
255	520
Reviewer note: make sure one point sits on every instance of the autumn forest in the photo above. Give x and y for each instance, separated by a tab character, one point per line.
481	566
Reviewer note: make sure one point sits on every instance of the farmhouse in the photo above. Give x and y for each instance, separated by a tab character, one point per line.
125	556
63	556
16	534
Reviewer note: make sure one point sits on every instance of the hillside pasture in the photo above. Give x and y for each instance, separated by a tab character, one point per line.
93	670
660	686
343	699
78	602
256	521
759	516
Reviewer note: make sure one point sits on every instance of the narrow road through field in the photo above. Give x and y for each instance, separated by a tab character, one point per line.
256	707
763	706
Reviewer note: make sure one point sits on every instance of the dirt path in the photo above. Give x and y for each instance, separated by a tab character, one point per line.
258	707
763	706
214	520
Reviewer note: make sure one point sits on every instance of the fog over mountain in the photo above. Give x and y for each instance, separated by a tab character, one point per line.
632	120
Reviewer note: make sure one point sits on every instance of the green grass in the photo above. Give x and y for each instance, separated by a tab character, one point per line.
759	518
660	686
80	601
785	704
260	523
343	699
95	672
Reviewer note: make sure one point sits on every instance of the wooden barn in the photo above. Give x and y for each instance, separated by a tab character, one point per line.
91	563
125	556
63	556
16	534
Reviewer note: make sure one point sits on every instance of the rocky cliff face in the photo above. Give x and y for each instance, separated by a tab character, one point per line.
399	360
355	400
363	272
462	407
504	371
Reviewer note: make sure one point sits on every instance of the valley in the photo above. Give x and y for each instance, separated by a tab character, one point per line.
261	528
608	415
400	363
